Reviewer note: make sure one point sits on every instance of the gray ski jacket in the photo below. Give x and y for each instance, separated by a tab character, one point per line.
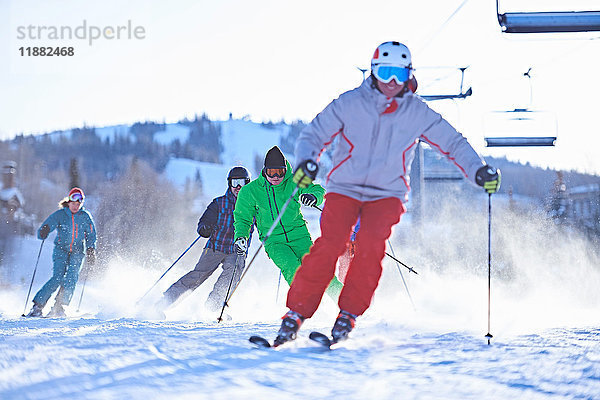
378	138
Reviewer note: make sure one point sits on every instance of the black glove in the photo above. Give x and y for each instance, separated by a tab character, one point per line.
308	199
489	178
305	173
205	230
241	245
44	231
91	255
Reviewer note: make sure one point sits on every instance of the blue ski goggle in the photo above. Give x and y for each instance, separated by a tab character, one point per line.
76	197
385	73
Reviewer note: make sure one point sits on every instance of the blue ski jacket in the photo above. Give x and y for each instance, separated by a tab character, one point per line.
75	232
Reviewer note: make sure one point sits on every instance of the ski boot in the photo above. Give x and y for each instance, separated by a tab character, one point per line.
36	311
289	328
343	326
57	311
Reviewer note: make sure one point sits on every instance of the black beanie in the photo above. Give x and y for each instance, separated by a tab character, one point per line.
274	158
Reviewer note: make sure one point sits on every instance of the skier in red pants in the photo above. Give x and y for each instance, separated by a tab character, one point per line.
378	124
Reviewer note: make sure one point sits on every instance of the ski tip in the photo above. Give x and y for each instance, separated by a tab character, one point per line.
321	339
260	341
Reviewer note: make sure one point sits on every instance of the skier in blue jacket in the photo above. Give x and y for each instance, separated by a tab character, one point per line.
75	239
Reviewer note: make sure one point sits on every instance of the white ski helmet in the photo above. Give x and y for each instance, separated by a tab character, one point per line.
392	53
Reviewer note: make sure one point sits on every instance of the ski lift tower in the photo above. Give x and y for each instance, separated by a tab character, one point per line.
420	174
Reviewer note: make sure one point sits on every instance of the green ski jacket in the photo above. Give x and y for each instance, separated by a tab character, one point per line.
262	200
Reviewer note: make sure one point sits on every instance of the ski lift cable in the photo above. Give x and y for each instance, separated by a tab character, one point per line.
442	26
542	64
441	78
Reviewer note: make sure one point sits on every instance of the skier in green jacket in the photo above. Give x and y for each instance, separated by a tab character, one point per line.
262	199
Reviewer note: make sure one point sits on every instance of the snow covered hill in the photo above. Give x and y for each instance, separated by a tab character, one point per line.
245	143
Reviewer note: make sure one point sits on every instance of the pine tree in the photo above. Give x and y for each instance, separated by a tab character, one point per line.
74	173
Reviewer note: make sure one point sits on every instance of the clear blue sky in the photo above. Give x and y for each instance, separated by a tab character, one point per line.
276	60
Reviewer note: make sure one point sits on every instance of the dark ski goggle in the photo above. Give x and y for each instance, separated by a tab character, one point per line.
235	182
275	172
76	197
385	73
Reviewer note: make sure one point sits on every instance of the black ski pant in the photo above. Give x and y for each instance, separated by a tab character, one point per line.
207	264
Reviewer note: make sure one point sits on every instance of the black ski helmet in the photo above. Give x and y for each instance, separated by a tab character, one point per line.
238	172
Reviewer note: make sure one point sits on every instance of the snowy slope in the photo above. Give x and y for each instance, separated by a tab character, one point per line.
130	359
243	141
172	133
213	176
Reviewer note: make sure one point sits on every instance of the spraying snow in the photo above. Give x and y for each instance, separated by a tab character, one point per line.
544	319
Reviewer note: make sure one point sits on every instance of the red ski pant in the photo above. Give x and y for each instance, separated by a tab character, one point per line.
318	266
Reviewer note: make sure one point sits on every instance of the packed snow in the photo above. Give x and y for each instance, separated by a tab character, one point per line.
172	133
544	321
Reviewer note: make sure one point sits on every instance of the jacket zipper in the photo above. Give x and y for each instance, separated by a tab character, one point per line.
72	232
280	223
373	141
271	209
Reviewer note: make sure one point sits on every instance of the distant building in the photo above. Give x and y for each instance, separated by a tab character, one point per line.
11	199
584	207
13	221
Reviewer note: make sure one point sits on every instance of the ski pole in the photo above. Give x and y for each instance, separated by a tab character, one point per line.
489	335
168	269
278	284
237	260
33	277
262	243
402	276
410	269
82	290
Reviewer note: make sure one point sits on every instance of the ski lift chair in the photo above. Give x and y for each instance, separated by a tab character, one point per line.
459	95
521	127
549	21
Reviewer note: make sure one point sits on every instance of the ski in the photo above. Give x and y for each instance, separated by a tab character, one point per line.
322	339
260	342
263	343
79	316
